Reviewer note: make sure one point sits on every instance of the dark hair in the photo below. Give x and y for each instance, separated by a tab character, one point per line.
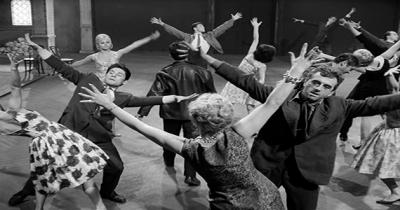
351	59
121	66
196	23
175	54
326	71
387	33
264	53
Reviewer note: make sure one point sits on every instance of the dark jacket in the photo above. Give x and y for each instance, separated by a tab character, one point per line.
372	43
315	156
88	119
179	78
210	36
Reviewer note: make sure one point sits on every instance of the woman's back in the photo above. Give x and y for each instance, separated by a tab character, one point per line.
225	164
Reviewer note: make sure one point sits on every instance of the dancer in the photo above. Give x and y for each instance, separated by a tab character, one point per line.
371	83
379	155
92	121
106	56
220	154
199	38
322	39
59	157
179	78
254	63
372	43
296	148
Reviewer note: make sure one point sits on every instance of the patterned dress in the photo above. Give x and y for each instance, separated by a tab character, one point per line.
59	157
235	94
233	180
380	154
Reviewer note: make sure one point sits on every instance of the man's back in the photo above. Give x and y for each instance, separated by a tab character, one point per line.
179	78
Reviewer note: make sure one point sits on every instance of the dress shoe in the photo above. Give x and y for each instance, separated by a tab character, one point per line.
18	198
356	147
192	181
114	197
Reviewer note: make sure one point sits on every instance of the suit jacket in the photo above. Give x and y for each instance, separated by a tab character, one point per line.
210	36
179	78
88	119
372	43
277	139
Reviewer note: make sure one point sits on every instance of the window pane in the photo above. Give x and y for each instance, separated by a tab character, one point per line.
21	13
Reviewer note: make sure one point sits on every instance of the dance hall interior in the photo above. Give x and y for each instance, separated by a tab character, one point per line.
199	104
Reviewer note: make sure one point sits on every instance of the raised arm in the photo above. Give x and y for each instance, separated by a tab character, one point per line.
67	71
240	79
170	29
138	43
81	62
226	25
256	36
393	84
252	123
15	101
166	140
388	54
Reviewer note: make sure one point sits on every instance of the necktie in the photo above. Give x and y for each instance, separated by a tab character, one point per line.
110	93
302	124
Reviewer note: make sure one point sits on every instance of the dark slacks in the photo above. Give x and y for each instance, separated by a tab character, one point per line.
189	131
301	194
111	176
113	170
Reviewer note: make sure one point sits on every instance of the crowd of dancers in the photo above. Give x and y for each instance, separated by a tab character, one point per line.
295	124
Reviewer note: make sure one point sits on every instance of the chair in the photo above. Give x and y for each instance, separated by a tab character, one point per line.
33	62
56	52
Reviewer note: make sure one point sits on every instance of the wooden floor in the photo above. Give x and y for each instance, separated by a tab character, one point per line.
145	182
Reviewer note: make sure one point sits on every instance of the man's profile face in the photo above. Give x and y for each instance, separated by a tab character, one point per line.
393	36
115	77
318	87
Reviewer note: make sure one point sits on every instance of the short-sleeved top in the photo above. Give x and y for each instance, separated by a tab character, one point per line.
233	180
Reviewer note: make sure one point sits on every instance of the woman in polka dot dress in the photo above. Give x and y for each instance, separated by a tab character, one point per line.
59	157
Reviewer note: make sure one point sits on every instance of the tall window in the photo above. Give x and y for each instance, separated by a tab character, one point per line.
21	12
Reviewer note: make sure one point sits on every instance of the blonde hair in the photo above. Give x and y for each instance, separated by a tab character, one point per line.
100	37
364	56
211	112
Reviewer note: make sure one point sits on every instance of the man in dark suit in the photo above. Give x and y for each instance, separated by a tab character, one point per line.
296	147
179	78
93	122
199	38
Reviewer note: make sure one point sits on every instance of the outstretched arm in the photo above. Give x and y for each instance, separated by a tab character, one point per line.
226	25
81	62
138	43
166	140
252	123
67	71
388	54
15	101
170	29
256	36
